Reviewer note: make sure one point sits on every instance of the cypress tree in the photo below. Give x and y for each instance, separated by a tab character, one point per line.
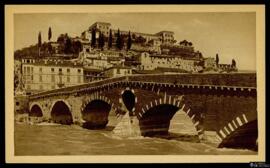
217	59
39	39
110	40
233	63
49	34
129	42
101	41
118	40
93	40
39	43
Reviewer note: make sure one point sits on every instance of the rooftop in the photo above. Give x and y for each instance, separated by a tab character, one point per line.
173	56
118	66
54	62
104	23
138	33
165	31
88	69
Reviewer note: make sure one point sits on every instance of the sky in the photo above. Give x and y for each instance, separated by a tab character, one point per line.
230	34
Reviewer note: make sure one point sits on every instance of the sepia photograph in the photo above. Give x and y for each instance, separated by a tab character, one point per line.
146	83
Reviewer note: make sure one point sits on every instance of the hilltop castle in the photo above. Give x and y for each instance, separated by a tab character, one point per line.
164	37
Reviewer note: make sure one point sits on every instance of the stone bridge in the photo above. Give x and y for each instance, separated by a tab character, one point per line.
221	104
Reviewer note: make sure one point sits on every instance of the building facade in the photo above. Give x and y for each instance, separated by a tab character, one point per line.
48	74
117	71
103	27
209	62
152	62
166	37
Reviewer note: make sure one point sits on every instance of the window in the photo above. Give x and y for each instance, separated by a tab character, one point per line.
79	79
40	69
40	78
79	70
60	69
68	70
28	87
24	69
118	71
52	69
17	103
28	70
32	69
68	79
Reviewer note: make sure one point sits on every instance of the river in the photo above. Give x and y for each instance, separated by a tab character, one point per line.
53	139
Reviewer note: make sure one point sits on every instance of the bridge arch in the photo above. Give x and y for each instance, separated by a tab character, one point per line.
155	117
61	112
95	112
35	110
241	132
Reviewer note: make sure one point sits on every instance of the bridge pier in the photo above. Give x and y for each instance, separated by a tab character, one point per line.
46	111
76	104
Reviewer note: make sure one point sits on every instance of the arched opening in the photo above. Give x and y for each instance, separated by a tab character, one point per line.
182	127
243	137
61	113
96	114
156	120
128	99
35	111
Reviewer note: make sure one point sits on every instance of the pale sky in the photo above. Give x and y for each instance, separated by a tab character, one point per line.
231	35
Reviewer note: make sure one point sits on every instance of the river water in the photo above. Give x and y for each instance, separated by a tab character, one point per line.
52	139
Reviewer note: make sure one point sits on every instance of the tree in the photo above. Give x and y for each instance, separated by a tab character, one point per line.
119	41
233	63
110	40
93	40
101	41
217	59
61	40
50	48
129	41
68	49
39	43
16	80
140	40
49	34
77	47
133	36
39	39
